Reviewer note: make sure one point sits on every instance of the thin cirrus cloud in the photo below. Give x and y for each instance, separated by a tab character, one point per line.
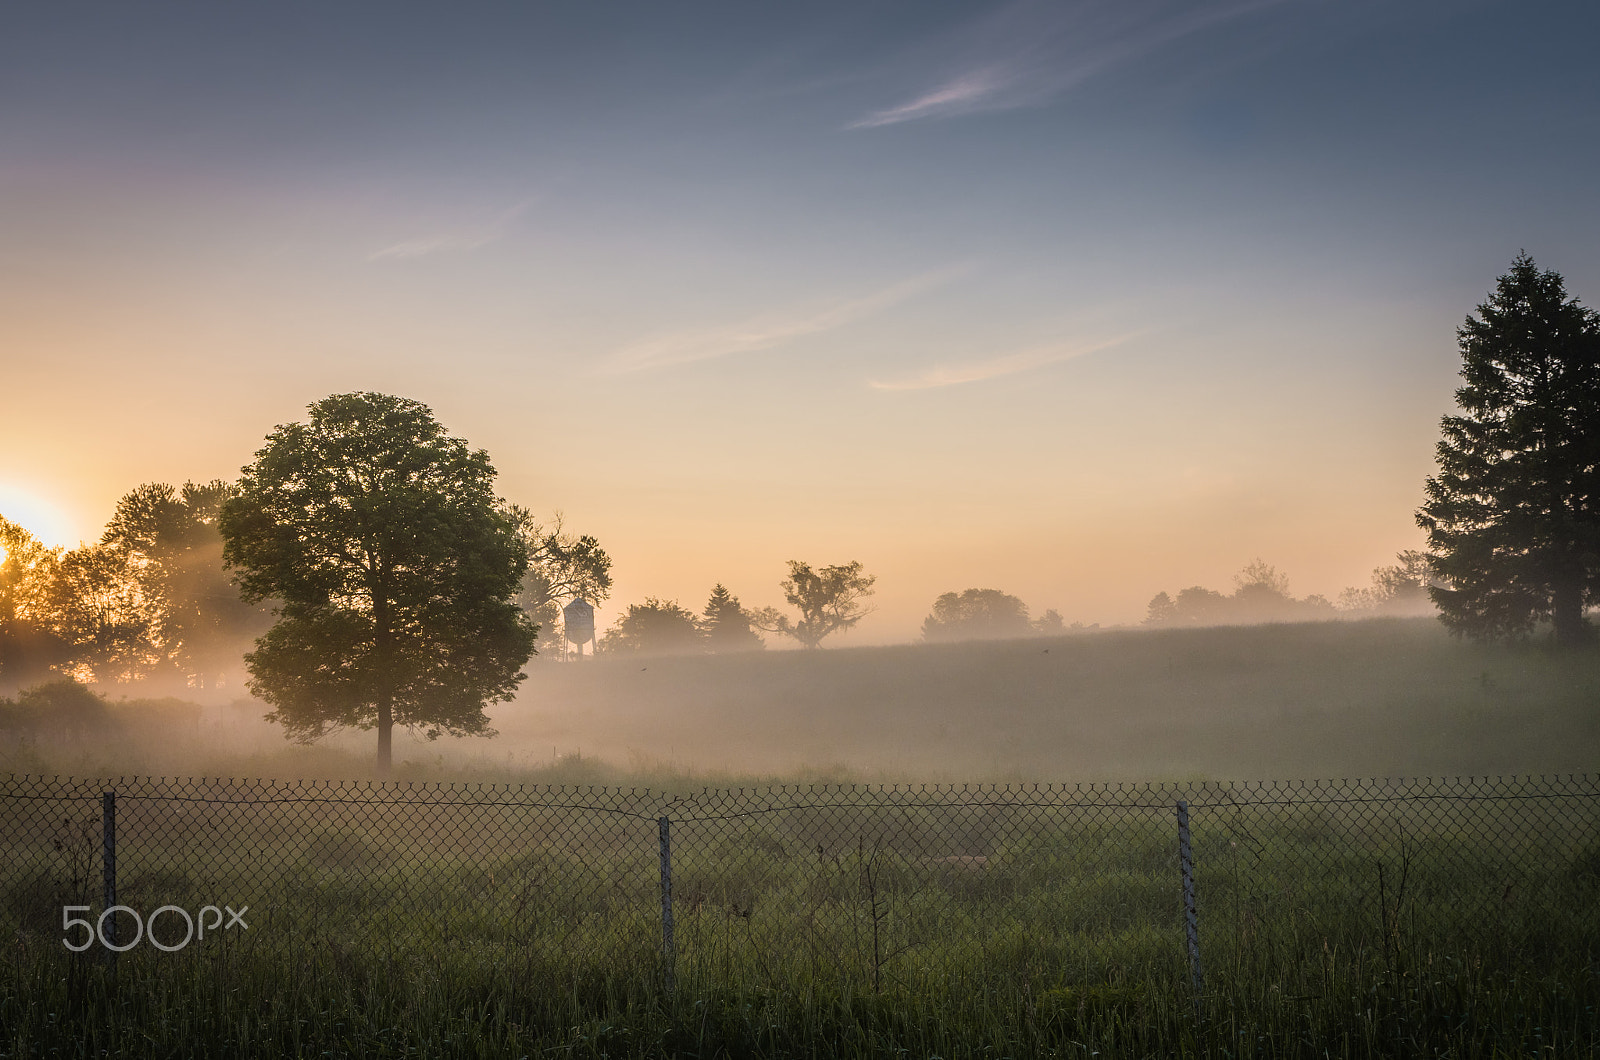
460	240
765	332
1030	52
995	367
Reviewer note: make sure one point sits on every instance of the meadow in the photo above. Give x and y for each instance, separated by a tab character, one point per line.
505	899
1385	697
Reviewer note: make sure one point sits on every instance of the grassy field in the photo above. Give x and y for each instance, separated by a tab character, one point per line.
1375	698
823	920
424	920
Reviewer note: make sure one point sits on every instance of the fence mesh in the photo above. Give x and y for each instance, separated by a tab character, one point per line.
944	890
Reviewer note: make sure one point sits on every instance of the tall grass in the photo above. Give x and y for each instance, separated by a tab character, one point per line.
850	922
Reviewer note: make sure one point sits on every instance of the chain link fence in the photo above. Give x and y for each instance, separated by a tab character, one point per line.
945	891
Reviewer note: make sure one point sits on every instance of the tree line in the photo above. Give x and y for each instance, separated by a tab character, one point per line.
384	582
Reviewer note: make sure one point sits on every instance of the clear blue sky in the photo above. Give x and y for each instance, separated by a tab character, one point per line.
1078	300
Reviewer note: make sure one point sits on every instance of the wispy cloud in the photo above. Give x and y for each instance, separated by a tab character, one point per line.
771	330
1005	364
1031	51
462	239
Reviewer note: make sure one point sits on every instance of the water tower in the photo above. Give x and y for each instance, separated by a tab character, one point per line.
578	619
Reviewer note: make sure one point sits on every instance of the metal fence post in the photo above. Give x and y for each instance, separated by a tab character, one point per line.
1191	922
108	862
668	949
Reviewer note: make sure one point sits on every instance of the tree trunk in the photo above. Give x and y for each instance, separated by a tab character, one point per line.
1566	610
385	736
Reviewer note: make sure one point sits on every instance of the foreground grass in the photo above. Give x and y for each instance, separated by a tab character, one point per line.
424	921
232	1005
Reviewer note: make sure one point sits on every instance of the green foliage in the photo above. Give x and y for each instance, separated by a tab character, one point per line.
977	614
655	627
727	625
1513	516
829	600
395	567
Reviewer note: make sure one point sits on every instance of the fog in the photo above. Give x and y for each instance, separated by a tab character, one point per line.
1329	699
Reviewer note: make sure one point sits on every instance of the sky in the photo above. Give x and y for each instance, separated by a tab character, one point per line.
1080	300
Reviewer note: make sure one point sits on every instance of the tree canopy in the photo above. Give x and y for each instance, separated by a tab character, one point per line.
394	567
977	614
829	600
1512	518
655	627
168	544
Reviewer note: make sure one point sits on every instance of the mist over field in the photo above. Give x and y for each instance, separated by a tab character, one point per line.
1381	697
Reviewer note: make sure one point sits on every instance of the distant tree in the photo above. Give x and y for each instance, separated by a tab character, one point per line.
96	606
976	614
1051	623
726	624
170	546
1161	610
1199	606
28	645
1400	588
561	568
395	567
829	600
655	627
1513	516
1261	594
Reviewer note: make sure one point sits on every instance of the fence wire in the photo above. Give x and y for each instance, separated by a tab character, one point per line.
965	890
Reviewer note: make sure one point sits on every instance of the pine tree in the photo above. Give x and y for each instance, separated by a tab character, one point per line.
727	623
1512	518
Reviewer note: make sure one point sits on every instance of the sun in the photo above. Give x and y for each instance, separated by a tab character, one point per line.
40	517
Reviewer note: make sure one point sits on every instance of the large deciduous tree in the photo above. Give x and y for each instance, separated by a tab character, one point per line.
829	600
395	569
1513	516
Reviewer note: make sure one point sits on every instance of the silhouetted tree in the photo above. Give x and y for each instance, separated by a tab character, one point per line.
1261	594
1050	623
977	614
726	623
96	605
1513	516
1400	588
29	647
170	545
561	568
829	600
655	627
395	567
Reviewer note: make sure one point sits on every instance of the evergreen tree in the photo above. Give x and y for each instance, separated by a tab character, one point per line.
1512	522
727	624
